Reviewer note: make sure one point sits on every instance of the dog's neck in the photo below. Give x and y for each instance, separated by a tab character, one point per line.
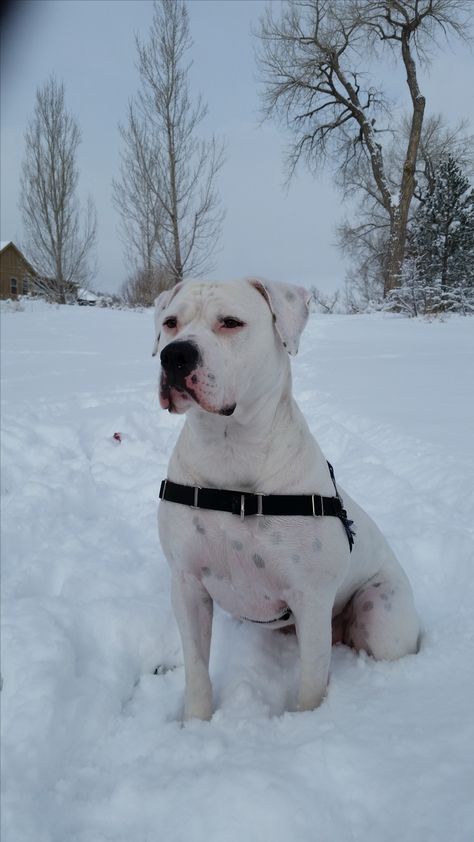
264	447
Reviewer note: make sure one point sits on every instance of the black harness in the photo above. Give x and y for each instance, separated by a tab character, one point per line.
246	504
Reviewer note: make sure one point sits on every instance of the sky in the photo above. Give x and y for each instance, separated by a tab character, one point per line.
269	230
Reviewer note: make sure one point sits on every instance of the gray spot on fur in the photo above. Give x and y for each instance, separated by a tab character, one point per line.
258	560
237	545
211	376
387	606
296	558
367	606
384	596
206	571
317	545
162	669
290	296
377	584
276	537
198	525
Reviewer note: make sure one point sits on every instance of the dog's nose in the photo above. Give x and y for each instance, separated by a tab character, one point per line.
179	359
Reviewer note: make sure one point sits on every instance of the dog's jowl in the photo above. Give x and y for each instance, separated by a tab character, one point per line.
250	515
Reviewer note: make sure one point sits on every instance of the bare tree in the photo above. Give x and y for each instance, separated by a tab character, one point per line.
137	200
437	142
324	303
59	237
144	285
171	199
314	60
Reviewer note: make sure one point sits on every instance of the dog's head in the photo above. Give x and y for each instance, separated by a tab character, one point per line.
223	344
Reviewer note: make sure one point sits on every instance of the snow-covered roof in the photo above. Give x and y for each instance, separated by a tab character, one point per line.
4	244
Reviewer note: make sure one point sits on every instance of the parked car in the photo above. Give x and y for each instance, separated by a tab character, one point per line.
86	298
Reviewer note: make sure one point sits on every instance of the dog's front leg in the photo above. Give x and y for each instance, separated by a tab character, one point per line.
313	630
193	609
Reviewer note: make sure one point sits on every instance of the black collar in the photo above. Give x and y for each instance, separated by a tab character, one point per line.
246	504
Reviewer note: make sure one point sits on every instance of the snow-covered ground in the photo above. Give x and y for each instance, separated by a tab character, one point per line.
93	746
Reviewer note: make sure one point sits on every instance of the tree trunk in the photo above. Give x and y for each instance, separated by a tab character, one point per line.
178	263
398	228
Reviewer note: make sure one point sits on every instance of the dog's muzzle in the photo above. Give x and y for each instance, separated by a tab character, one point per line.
178	360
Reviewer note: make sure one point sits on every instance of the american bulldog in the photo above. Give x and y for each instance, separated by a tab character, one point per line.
250	515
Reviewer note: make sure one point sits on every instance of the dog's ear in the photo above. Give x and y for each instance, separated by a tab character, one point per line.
290	308
161	304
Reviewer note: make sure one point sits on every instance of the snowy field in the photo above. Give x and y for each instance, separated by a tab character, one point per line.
93	746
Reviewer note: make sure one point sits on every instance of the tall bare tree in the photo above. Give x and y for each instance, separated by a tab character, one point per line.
136	199
171	203
314	58
59	238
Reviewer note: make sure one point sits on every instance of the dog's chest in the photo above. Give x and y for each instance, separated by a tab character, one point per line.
249	568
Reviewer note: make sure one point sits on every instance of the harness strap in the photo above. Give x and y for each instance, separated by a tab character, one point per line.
246	504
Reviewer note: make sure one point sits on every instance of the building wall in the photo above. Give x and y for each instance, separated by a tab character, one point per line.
13	267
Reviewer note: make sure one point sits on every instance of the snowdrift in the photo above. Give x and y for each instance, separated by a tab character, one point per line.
94	750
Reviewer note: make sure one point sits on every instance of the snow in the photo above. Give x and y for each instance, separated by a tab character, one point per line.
94	750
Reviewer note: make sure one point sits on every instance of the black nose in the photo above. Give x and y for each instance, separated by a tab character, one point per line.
178	360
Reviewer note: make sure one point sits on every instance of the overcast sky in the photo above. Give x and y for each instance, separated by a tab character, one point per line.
89	45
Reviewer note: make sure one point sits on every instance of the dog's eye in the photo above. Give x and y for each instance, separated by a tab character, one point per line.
230	322
171	322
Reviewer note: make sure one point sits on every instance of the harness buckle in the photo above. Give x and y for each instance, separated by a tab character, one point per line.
259	505
321	500
242	506
197	489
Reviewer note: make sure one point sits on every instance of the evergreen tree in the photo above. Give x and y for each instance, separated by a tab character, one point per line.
440	259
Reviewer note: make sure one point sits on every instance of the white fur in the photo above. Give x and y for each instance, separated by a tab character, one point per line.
259	567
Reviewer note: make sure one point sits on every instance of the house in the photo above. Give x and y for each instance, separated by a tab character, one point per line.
16	273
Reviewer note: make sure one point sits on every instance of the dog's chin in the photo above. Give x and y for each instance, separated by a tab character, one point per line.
228	410
203	406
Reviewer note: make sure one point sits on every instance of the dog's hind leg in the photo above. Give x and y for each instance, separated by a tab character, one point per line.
381	618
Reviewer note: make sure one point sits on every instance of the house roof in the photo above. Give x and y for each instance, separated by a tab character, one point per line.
3	246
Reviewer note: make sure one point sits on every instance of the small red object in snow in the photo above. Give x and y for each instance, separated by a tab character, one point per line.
117	436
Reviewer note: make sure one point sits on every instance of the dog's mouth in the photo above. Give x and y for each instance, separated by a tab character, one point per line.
174	398
177	399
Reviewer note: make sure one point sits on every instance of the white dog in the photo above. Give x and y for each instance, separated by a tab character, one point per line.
250	515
